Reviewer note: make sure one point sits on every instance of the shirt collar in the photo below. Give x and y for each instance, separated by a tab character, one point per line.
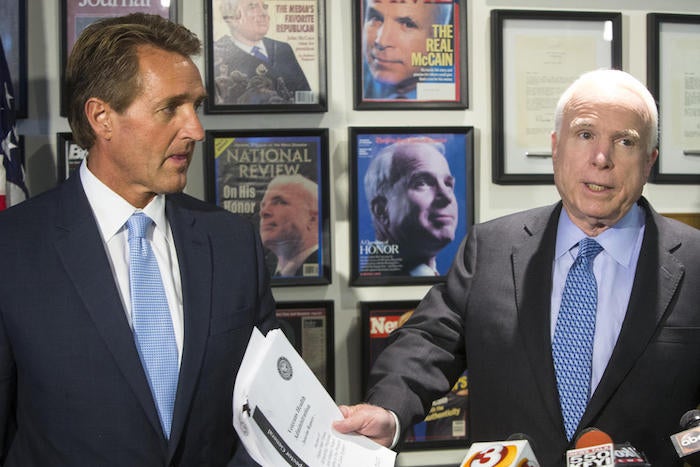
111	210
618	241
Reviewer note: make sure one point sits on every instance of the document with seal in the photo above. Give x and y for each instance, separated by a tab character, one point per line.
283	414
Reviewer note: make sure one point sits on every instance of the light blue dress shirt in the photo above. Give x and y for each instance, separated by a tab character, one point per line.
614	270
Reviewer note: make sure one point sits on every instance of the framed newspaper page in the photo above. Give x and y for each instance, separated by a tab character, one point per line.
13	33
278	179
674	47
446	423
76	15
266	56
70	156
412	202
410	55
309	328
535	55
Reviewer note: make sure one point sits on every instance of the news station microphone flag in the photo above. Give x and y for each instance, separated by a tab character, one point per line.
12	187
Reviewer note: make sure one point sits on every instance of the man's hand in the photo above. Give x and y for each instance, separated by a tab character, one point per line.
371	421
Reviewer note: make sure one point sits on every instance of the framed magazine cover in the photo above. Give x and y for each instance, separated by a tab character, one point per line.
70	156
309	328
535	55
446	424
76	15
13	32
410	55
411	201
278	179
265	56
673	77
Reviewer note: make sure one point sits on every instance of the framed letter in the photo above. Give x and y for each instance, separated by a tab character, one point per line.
535	56
673	76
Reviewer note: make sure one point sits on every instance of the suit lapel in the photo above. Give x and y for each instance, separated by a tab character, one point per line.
656	280
82	252
194	258
532	275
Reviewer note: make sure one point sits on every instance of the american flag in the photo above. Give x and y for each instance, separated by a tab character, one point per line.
13	190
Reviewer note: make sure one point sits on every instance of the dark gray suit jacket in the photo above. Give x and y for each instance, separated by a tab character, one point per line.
492	316
72	388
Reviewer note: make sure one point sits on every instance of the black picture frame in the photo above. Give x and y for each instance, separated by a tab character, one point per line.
670	39
69	156
308	326
76	17
379	259
446	425
293	76
13	30
239	164
535	55
440	82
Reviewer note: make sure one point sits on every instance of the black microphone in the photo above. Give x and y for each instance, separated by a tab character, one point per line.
595	447
687	442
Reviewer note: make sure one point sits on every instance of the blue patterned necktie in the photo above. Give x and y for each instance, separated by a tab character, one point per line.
572	347
258	53
153	327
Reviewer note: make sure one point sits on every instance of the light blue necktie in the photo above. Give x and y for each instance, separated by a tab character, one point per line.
153	326
572	347
258	53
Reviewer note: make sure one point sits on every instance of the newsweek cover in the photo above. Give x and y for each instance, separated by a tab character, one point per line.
282	69
242	169
446	422
411	50
418	227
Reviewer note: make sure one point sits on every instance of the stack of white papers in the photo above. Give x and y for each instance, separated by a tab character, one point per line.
283	414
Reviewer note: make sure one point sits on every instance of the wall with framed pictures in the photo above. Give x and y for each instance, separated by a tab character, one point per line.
458	87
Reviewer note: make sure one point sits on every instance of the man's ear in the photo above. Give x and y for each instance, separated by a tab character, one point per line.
379	211
99	114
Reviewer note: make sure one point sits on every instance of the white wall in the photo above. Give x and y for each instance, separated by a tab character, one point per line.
44	122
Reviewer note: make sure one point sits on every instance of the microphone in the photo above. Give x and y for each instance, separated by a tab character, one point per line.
516	451
687	442
594	447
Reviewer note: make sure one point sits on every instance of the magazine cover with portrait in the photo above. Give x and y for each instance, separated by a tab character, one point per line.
278	180
410	54
445	425
265	56
413	202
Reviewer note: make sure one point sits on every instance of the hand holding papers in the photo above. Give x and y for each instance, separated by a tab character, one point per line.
283	414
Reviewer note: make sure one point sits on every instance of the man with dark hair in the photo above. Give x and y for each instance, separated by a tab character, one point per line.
126	305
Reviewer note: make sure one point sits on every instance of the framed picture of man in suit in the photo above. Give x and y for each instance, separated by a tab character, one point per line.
309	328
265	56
278	179
446	423
76	15
412	202
13	32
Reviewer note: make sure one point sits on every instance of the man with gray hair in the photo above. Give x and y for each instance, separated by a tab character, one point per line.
410	193
289	225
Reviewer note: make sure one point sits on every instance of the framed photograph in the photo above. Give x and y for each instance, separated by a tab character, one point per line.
70	156
446	423
674	47
266	56
412	202
76	15
278	179
309	328
410	55
535	55
13	33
